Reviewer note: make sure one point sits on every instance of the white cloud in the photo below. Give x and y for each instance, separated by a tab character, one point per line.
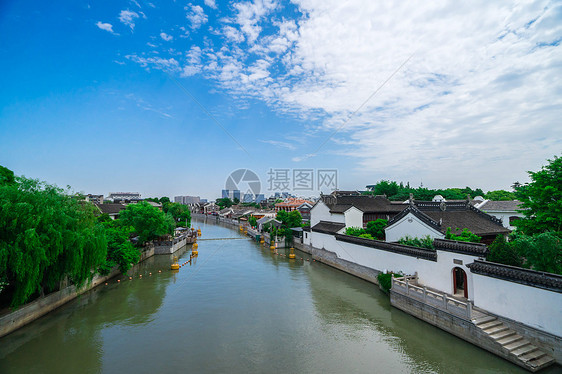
233	34
280	144
211	4
168	64
105	26
481	94
249	15
128	17
196	16
166	37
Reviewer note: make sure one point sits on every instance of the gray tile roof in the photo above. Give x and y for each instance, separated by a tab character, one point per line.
457	216
365	203
501	206
327	227
110	208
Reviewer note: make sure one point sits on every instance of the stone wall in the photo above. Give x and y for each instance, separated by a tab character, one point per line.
459	327
39	307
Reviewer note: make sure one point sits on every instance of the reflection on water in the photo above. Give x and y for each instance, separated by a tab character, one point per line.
237	308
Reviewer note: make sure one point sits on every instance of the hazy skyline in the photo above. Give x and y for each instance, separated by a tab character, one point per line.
168	98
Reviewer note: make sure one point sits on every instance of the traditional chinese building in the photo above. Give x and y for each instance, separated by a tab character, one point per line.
291	204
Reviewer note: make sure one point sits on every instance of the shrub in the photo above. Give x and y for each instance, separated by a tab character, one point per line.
465	236
385	280
376	228
425	242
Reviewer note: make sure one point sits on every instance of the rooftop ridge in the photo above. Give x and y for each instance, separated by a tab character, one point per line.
425	254
539	279
457	246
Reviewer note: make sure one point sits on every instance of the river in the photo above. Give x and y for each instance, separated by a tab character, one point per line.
237	308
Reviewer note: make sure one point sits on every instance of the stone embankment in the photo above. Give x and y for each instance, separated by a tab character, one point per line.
39	307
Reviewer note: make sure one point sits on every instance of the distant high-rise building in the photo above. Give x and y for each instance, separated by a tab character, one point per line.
236	195
260	197
225	194
186	200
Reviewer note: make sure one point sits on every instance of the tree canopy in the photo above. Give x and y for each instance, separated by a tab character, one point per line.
373	230
45	237
399	192
147	221
542	200
180	213
224	202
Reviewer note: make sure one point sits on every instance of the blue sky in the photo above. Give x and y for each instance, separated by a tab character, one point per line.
168	98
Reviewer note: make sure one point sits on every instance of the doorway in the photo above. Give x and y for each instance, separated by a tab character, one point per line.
459	283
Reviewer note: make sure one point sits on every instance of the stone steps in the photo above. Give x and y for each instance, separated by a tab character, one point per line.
518	349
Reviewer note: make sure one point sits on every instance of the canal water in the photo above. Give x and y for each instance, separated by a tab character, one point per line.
237	308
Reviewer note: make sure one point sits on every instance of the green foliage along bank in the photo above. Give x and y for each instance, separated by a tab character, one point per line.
147	222
373	230
46	236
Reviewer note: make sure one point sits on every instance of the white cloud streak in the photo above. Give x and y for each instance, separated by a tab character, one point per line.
196	16
166	37
105	26
128	18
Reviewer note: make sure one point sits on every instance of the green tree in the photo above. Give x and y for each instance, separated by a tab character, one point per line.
180	213
542	200
120	250
542	252
503	252
224	202
6	176
500	195
376	228
464	236
252	221
45	237
355	231
147	221
288	220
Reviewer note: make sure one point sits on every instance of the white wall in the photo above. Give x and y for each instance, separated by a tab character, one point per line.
538	308
321	212
504	216
353	217
412	226
437	275
532	306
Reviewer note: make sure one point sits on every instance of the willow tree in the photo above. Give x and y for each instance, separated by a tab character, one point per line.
46	236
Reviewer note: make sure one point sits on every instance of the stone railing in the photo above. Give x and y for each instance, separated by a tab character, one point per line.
407	286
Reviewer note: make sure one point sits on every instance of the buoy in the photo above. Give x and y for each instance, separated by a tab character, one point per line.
292	254
195	245
175	265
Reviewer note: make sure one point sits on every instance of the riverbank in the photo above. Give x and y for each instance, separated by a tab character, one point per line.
36	309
